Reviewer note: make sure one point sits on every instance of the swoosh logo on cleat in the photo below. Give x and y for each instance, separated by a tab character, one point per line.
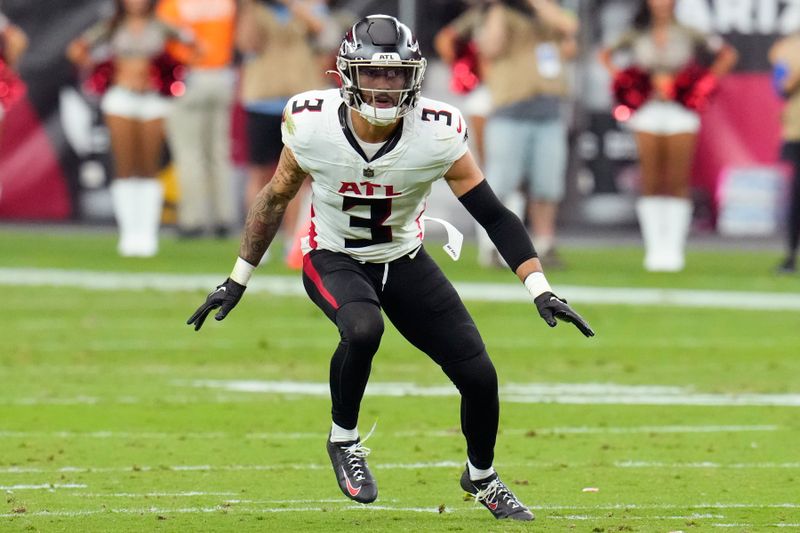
354	490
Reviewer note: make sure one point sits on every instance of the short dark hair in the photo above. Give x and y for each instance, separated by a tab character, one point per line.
523	6
119	13
644	17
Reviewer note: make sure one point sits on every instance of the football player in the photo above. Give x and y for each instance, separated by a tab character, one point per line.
373	148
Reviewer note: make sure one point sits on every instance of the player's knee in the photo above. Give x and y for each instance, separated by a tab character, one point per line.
360	325
475	377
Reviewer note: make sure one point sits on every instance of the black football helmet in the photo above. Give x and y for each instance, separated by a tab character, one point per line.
380	44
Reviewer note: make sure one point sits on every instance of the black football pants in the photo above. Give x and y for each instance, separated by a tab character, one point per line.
425	308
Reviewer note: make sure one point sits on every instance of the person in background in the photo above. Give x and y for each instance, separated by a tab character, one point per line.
13	43
785	58
448	42
279	60
665	130
133	112
525	44
199	123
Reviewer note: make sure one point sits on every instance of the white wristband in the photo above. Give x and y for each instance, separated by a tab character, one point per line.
242	271
537	284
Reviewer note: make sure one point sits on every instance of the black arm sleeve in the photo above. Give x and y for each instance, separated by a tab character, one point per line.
504	228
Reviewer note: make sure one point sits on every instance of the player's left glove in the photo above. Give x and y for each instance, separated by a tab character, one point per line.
551	307
225	296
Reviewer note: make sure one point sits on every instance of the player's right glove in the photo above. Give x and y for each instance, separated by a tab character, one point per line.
551	307
225	296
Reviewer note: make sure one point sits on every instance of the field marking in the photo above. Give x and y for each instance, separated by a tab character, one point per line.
281	436
44	486
187	494
223	509
216	468
665	506
233	509
377	467
322	500
694	516
704	464
494	292
559	393
740	524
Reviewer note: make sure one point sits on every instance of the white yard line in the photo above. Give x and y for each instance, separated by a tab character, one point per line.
577	430
665	506
705	464
496	292
224	509
215	468
672	517
560	393
377	467
643	429
744	525
347	506
189	494
44	486
567	394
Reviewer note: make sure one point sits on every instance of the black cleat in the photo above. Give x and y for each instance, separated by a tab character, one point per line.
495	496
350	466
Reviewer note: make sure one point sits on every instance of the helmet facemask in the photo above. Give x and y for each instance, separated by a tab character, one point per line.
381	89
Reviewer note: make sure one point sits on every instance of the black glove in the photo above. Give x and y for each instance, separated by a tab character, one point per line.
225	296
551	307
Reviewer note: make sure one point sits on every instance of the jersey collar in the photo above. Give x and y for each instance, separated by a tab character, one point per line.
350	136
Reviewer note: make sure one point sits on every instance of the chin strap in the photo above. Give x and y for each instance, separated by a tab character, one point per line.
373	114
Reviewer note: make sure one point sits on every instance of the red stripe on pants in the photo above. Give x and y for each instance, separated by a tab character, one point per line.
313	275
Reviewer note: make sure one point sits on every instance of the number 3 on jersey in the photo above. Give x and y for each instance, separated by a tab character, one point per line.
379	211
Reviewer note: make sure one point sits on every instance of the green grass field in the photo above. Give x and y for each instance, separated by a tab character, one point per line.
116	416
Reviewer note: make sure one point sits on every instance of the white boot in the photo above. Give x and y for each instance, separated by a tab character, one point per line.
652	218
487	255
150	195
679	218
516	202
123	202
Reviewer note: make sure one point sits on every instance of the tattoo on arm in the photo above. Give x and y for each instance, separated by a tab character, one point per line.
266	213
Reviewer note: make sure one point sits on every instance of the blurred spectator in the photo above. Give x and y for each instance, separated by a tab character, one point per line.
199	122
525	44
13	43
666	130
134	112
276	40
785	58
456	44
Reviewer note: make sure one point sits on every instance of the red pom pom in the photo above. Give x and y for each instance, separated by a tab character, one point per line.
631	88
100	78
11	87
168	75
464	76
694	87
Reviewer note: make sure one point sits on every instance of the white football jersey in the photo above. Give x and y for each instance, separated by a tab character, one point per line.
370	210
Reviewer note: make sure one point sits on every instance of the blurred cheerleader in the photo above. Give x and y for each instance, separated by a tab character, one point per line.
13	43
785	58
134	112
666	130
